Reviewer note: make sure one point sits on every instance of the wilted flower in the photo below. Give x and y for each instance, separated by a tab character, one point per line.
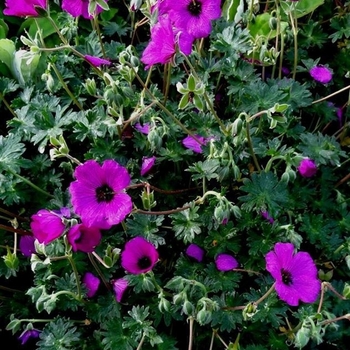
23	8
47	225
78	8
295	274
139	256
97	61
196	252
194	16
321	74
119	286
26	245
98	194
190	143
91	283
147	164
307	168
145	128
27	334
84	238
162	47
225	262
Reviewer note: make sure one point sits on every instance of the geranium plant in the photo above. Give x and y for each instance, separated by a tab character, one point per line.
174	174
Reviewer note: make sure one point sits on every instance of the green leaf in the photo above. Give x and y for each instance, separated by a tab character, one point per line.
261	26
11	149
185	225
191	83
232	10
302	7
265	192
7	51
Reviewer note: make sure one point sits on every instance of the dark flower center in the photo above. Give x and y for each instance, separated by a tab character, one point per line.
195	8
104	194
144	263
286	277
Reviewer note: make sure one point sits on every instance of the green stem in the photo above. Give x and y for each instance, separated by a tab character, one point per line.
98	31
3	99
206	97
293	22
98	258
190	340
331	95
65	87
251	149
67	292
272	288
141	341
28	182
163	108
76	275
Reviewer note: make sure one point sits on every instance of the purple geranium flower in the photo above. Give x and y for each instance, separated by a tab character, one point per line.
307	168
119	286
295	274
48	225
78	8
266	215
26	245
84	238
23	8
147	164
139	256
225	262
144	129
196	252
162	47
96	61
27	334
321	74
91	283
190	143
194	16
98	194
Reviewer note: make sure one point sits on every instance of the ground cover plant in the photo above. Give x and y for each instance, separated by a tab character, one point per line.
174	174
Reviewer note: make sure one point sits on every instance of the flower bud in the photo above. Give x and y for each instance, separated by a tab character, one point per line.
90	86
249	311
188	308
163	305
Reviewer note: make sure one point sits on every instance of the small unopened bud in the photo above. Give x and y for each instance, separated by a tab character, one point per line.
90	86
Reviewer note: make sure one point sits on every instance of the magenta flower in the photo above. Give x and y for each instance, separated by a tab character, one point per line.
26	245
84	239
119	286
295	274
23	8
194	16
196	252
162	47
96	61
147	164
144	129
190	143
225	262
78	8
266	215
27	334
307	168
91	283
139	256
321	74
98	194
48	225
